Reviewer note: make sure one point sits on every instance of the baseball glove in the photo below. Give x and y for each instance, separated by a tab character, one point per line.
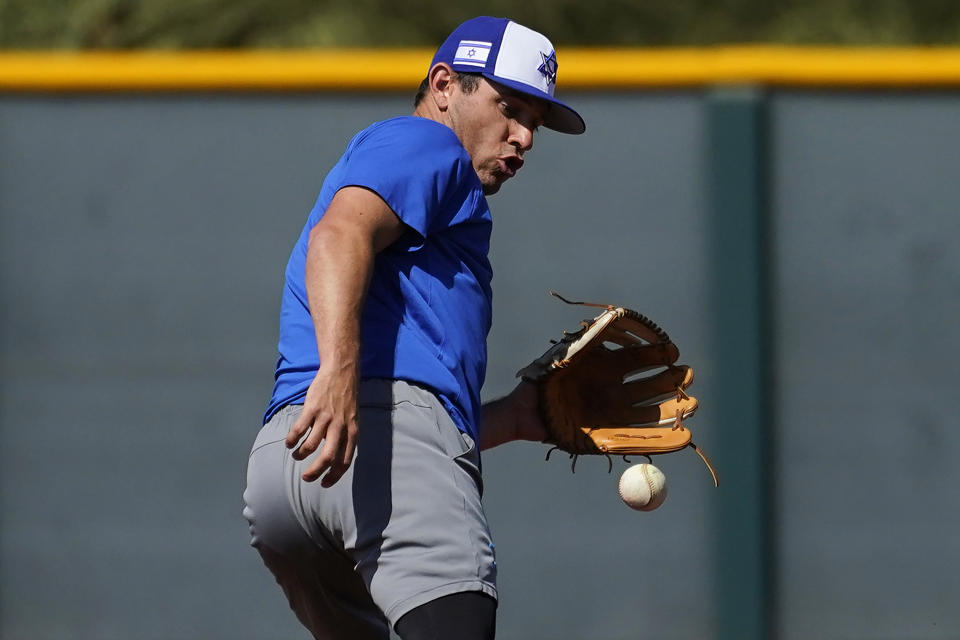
614	387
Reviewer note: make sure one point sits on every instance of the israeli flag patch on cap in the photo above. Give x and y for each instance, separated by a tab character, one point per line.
473	52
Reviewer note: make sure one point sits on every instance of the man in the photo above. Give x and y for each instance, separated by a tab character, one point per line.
383	331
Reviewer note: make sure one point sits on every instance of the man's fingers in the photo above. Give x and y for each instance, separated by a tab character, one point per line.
350	446
312	441
343	458
329	453
333	475
297	430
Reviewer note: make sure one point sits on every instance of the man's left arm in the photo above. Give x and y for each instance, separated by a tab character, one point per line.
516	416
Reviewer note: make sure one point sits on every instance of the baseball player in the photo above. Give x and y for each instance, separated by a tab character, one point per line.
363	486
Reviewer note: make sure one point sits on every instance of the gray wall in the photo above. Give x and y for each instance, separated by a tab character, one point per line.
143	241
867	199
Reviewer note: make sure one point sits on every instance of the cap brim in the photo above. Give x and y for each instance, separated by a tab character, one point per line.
559	116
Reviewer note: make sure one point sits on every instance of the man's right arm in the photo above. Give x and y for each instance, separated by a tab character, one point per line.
357	225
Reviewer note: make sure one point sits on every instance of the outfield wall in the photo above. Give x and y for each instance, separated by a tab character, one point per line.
144	228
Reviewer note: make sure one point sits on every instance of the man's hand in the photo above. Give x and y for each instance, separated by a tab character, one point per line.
330	416
516	416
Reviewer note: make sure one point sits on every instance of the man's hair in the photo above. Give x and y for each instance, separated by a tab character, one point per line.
468	83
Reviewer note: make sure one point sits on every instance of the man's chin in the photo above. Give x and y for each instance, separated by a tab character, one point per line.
493	184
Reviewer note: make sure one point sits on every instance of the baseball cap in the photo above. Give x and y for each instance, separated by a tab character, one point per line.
514	56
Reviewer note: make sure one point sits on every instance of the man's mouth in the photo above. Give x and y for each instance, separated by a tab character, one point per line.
510	165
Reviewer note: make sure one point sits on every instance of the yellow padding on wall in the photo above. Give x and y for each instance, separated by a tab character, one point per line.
215	70
783	66
402	69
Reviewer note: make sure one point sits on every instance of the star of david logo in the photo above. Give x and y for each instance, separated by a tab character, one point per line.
472	52
549	66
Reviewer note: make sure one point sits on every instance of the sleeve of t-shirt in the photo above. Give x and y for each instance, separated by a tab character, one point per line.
417	168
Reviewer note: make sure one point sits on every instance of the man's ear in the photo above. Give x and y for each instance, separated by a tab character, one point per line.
441	80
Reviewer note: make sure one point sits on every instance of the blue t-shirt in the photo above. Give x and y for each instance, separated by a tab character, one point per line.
428	308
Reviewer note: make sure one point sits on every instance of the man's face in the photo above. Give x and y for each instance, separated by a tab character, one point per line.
495	125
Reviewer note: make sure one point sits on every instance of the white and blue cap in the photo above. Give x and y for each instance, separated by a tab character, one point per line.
514	56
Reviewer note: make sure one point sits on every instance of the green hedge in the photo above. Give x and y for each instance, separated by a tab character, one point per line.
179	24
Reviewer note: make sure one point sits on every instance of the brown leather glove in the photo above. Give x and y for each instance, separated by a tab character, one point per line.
614	387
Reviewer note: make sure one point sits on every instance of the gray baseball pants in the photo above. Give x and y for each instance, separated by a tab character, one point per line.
403	527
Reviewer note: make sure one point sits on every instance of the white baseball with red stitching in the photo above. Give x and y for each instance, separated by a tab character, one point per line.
643	487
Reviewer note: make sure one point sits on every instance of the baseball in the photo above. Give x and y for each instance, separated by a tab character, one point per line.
643	487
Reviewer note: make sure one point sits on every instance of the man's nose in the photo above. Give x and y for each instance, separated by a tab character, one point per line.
521	137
